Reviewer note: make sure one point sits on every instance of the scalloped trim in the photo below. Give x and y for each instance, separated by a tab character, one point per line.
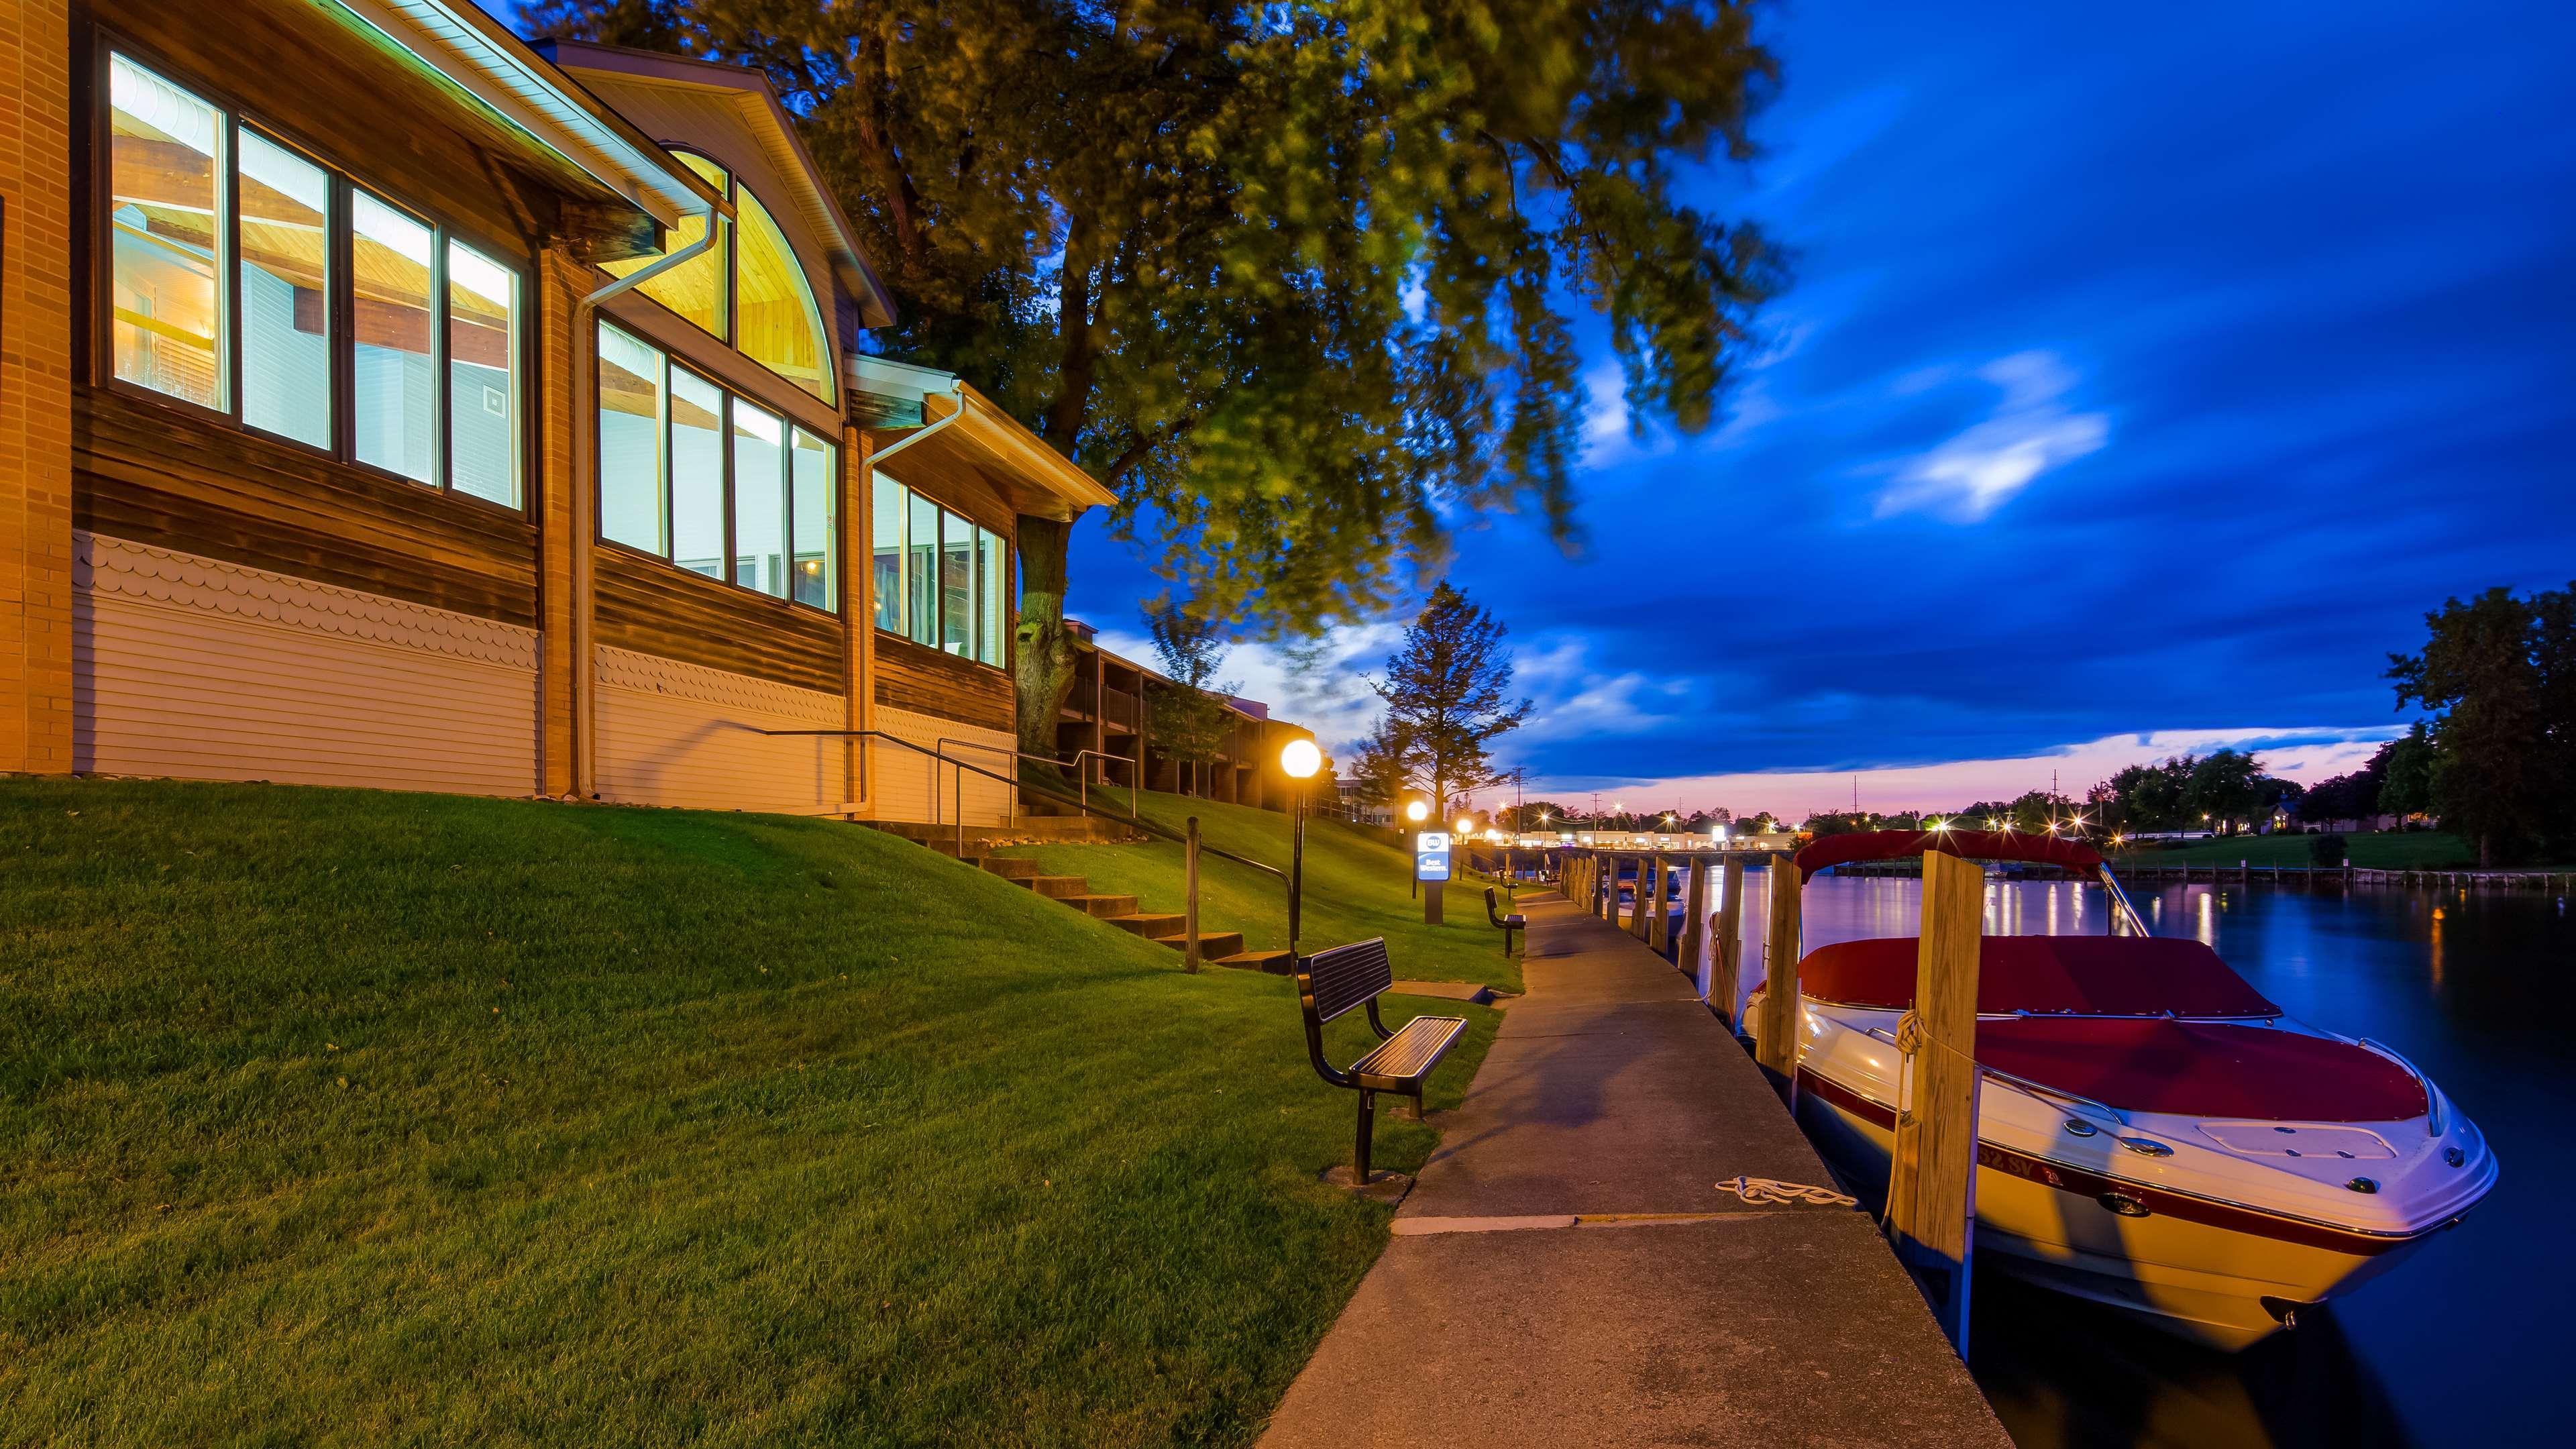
105	565
652	674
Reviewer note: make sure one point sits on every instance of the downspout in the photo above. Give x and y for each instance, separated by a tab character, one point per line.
585	493
956	394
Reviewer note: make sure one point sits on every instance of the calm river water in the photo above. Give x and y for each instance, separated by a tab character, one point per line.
2470	1341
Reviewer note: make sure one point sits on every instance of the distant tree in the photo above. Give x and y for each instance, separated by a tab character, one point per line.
1298	281
1534	815
2349	797
2226	786
2406	774
2492	780
1187	718
1447	693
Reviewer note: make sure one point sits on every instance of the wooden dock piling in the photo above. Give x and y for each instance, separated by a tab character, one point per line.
1694	955
1777	1025
1726	982
1659	921
1931	1190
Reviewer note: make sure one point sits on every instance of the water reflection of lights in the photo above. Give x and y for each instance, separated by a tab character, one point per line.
2437	948
2206	928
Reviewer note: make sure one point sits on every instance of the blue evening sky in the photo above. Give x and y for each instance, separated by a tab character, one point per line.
2145	372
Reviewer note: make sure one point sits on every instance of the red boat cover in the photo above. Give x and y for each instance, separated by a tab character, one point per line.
2084	975
2203	1069
1828	850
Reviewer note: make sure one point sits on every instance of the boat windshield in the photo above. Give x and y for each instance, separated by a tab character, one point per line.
2058	975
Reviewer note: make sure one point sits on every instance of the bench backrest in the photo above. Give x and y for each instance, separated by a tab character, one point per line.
1490	913
1332	982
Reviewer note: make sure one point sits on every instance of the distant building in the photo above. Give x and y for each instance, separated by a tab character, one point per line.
1107	722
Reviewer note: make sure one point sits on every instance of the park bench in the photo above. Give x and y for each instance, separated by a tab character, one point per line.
1505	924
1345	978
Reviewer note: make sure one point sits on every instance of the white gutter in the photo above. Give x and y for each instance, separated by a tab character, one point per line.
585	495
526	97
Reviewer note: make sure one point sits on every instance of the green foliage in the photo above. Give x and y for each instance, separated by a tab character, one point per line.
2501	671
1447	691
1296	280
347	1117
2328	850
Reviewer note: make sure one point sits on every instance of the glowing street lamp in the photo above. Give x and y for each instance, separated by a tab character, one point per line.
1416	811
1298	760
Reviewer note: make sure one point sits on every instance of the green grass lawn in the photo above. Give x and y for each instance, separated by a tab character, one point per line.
2393	850
341	1117
1359	883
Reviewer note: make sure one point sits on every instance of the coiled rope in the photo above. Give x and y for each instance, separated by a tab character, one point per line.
1758	1191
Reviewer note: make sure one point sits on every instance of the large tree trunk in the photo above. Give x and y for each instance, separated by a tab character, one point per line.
1042	663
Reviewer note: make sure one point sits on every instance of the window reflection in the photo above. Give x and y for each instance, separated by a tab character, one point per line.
697	474
759	518
165	236
810	530
285	270
633	419
396	398
886	542
482	376
921	574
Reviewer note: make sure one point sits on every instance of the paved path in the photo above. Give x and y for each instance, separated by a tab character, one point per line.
1507	1311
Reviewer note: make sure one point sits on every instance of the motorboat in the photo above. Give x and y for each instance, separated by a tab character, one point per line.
2153	1133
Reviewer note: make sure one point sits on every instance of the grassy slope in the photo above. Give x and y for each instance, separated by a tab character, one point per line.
2416	849
1358	885
344	1117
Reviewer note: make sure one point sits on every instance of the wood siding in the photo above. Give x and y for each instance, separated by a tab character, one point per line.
684	735
907	785
190	666
651	607
158	475
926	681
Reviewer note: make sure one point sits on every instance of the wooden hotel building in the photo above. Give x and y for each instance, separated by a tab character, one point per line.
385	401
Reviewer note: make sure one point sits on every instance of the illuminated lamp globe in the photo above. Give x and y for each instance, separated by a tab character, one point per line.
1466	826
1300	759
1416	810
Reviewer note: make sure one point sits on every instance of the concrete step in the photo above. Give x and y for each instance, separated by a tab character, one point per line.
1107	908
1058	887
1277	963
1012	867
1150	926
1213	945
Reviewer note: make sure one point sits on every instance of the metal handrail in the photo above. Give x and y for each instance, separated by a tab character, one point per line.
1137	821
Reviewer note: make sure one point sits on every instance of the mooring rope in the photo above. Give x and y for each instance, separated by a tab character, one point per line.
1758	1191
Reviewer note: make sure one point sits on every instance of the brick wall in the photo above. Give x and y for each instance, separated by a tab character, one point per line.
35	387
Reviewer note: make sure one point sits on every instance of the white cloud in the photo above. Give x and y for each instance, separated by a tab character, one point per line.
1976	472
1570	697
1333	698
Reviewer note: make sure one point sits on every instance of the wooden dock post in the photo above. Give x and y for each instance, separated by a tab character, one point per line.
1694	954
1647	867
1726	982
1777	1025
1659	921
1932	1182
1190	897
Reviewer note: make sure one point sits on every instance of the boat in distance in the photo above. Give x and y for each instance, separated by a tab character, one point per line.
2152	1132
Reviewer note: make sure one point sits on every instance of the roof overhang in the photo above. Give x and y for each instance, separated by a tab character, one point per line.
495	67
750	93
1035	477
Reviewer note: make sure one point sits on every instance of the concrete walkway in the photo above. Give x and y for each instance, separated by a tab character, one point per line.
1531	1296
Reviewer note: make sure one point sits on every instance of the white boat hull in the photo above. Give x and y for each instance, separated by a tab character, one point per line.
2219	1246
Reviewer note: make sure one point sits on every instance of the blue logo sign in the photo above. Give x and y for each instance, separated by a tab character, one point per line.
1431	855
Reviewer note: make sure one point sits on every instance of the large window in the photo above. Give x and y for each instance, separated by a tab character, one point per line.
225	290
750	290
941	581
716	484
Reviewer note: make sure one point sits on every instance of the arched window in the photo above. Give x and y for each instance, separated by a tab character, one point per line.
768	311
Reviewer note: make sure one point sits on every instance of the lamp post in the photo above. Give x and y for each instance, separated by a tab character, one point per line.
1298	760
1416	811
